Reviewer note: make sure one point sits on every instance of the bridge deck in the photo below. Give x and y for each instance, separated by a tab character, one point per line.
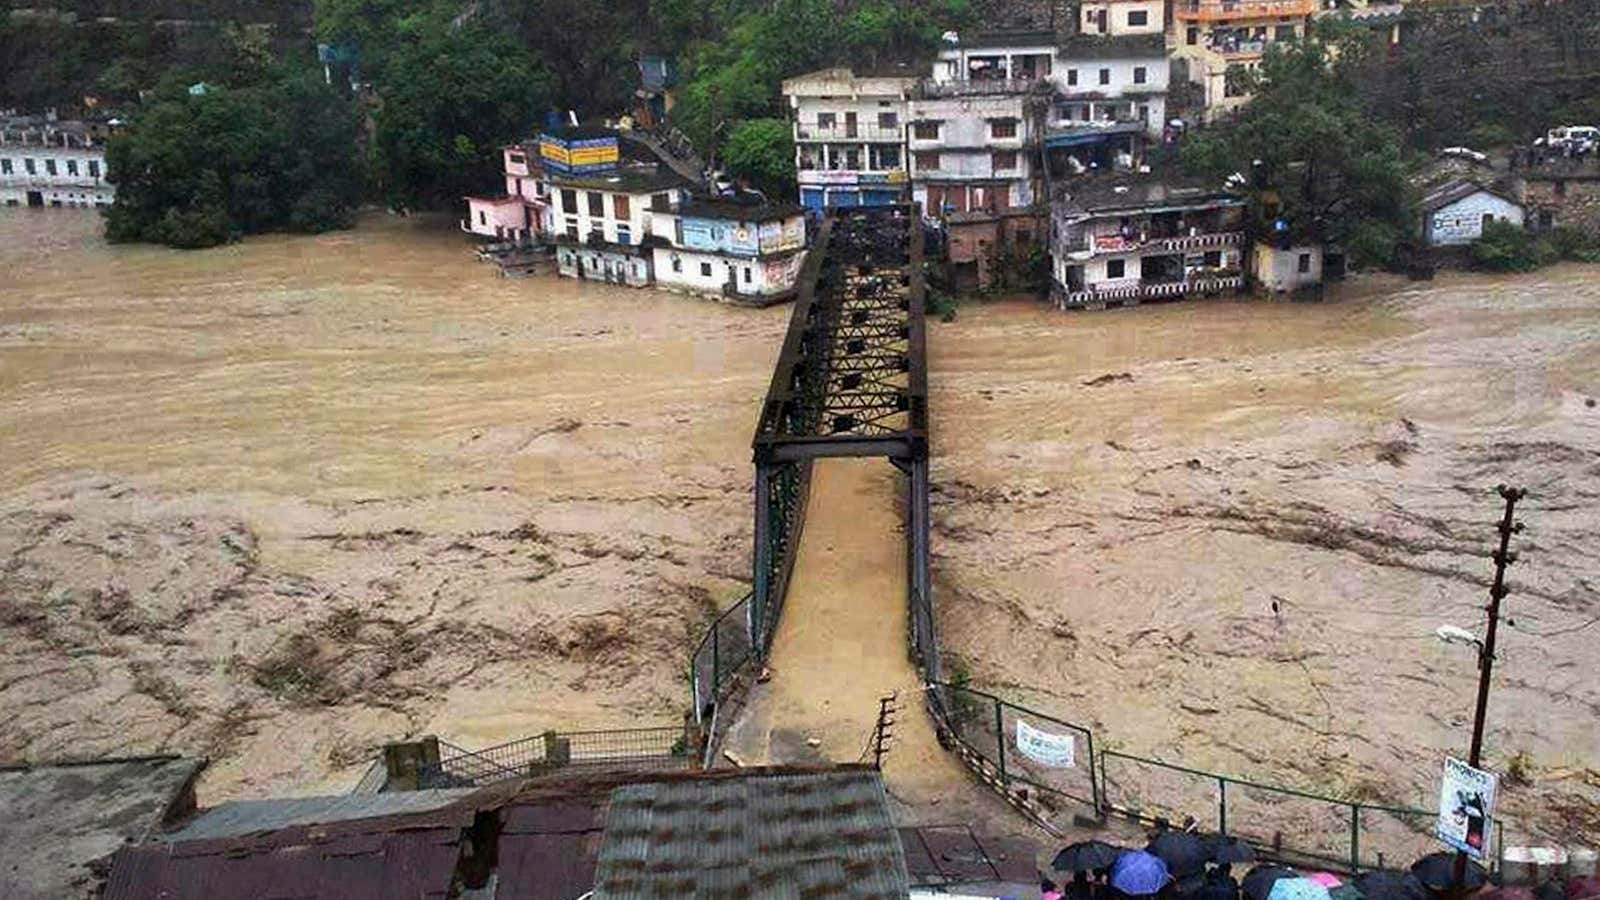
842	643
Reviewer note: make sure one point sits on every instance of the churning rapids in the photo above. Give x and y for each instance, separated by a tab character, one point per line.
279	502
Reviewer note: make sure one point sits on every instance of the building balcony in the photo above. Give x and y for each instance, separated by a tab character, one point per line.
822	177
1088	247
1150	290
981	87
52	182
1238	49
871	133
1232	10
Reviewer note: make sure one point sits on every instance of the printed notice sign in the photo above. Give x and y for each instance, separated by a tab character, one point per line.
1466	803
1044	748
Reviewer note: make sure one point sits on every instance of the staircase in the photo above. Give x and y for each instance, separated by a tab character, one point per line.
672	149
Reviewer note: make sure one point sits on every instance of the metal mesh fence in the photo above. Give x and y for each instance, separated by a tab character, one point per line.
722	653
1059	757
1290	825
631	748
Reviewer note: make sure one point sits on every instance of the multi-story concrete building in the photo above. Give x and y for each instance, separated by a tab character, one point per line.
1123	241
849	135
1112	98
1216	41
521	212
599	222
751	253
52	164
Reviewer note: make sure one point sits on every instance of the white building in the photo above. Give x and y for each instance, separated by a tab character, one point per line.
599	222
1455	213
53	164
1126	241
970	151
1110	81
849	136
751	253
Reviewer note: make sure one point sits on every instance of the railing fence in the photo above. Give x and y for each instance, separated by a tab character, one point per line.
723	653
628	748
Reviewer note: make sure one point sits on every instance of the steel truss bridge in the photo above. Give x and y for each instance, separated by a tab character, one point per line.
851	380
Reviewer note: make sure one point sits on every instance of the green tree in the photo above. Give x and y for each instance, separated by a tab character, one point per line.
196	171
762	152
450	99
1313	156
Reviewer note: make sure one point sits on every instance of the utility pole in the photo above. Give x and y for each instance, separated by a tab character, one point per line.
1503	558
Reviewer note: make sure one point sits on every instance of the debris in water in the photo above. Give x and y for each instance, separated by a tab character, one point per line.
1108	378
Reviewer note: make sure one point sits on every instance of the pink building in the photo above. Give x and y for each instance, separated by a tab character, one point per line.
521	212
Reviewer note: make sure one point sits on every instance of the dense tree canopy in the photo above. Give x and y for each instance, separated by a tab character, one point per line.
1315	159
761	151
278	153
450	99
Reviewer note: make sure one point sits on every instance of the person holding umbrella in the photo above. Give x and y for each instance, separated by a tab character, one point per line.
1139	873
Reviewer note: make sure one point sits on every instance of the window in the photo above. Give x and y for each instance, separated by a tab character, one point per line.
746	274
1003	128
569	201
826	121
705	270
1305	263
661	202
852	159
72	168
597	205
1284	33
925	131
1138	18
1192	36
1105	76
1139	74
888	121
1213	259
29	165
888	157
5	166
620	207
1005	161
1072	77
517	159
50	167
1487	219
1116	268
677	264
483	217
927	161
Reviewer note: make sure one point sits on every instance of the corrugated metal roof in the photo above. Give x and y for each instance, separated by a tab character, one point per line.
826	834
250	816
298	863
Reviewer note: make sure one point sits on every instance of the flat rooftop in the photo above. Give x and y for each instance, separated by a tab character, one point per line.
60	817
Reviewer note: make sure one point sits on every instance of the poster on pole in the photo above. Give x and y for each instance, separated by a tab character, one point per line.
1044	748
1466	805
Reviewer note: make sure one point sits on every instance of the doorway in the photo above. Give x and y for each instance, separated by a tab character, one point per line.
36	198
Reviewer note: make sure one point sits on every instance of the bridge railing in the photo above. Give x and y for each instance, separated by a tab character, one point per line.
625	748
722	654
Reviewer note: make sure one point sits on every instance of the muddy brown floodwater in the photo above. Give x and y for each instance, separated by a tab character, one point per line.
280	502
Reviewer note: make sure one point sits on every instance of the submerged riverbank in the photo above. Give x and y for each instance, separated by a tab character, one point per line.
282	501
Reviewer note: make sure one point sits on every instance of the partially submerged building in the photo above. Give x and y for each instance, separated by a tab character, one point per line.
1124	241
599	221
53	163
742	251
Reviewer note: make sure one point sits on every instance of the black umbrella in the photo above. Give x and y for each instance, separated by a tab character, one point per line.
1437	872
1258	884
1086	856
1184	853
1227	850
1388	884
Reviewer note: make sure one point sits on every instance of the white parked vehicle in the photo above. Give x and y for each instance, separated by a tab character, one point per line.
1574	136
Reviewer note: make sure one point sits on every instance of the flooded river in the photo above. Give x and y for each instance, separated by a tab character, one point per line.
280	502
